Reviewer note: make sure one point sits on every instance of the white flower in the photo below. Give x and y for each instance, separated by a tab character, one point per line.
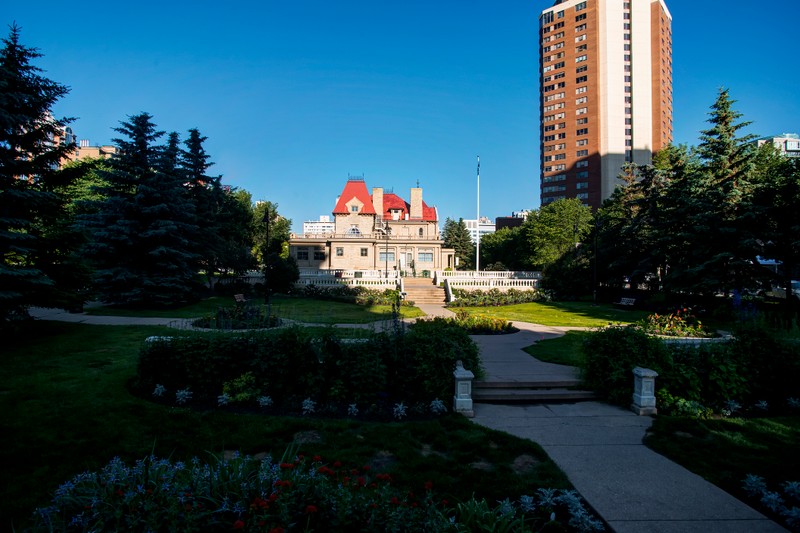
352	410
438	407
399	411
223	399
309	406
183	396
159	390
264	401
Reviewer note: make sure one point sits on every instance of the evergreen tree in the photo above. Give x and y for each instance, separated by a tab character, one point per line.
29	155
140	234
456	236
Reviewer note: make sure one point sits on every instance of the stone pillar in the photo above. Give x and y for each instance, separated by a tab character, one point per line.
462	401
644	388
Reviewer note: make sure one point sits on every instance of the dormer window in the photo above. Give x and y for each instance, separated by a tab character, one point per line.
354	209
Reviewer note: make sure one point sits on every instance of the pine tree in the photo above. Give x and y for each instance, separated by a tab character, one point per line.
456	236
140	245
29	157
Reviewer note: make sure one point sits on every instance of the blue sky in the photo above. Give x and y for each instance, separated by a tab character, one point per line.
294	96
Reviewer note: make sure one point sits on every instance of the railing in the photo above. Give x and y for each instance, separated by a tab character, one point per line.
308	272
250	277
375	236
372	283
486	284
441	275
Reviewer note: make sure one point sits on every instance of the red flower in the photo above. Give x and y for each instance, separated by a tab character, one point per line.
238	524
367	468
310	509
317	458
276	530
394	501
428	485
337	464
287	466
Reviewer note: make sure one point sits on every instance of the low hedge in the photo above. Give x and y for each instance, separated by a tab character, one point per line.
753	367
359	295
290	364
493	297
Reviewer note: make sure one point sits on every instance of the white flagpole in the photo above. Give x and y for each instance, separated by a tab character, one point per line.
478	223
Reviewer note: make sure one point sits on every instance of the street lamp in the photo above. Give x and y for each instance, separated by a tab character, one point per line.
386	249
266	220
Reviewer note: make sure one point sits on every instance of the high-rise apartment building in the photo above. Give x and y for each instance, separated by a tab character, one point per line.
605	86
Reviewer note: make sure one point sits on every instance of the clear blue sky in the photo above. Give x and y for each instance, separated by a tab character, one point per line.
294	96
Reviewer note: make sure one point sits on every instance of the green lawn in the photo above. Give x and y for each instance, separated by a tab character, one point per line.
574	314
725	451
564	350
65	408
300	309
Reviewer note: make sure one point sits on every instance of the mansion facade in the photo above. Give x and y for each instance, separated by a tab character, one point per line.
378	231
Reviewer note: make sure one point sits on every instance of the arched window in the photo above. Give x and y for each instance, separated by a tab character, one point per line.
353	232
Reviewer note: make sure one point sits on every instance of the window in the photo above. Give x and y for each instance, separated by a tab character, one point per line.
627	57
548	138
582	120
581	164
319	255
421	232
557	177
627	47
581	100
548	158
628	142
627	36
581	110
580	28
580	6
554	188
558	26
580	90
560	167
580	17
302	254
581	79
560	15
582	142
354	209
364	252
629	131
582	196
580	38
550	127
339	252
582	68
560	157
384	257
581	153
582	131
582	185
425	257
547	18
581	48
579	59
582	174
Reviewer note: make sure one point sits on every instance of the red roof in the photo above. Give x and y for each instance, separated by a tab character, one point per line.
354	189
392	201
357	188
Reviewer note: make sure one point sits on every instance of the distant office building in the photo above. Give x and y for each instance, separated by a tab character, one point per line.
788	143
514	221
86	149
605	81
319	227
480	227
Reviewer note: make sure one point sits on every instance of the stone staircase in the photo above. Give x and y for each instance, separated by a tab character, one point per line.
567	390
423	291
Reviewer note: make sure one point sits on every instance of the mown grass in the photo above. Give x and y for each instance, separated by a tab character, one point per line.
573	314
299	309
65	408
725	451
565	350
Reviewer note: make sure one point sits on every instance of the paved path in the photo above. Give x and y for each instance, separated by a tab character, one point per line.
598	446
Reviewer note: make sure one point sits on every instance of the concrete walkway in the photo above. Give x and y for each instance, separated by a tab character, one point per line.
598	446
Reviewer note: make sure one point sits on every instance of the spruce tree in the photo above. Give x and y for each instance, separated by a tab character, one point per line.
456	236
140	233
29	156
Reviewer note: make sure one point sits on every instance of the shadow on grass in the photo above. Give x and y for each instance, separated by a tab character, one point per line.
571	314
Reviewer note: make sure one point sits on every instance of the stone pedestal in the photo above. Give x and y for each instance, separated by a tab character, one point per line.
462	401
644	391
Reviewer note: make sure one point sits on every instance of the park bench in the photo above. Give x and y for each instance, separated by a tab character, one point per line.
625	302
240	299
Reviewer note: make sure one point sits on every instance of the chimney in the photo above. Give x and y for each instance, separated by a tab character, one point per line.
377	201
416	203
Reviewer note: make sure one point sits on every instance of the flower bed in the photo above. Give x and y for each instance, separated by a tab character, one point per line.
681	323
295	493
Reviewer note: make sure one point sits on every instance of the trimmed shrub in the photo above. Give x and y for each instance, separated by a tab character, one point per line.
493	297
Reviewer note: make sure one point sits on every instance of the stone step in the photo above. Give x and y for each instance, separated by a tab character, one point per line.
559	384
531	395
